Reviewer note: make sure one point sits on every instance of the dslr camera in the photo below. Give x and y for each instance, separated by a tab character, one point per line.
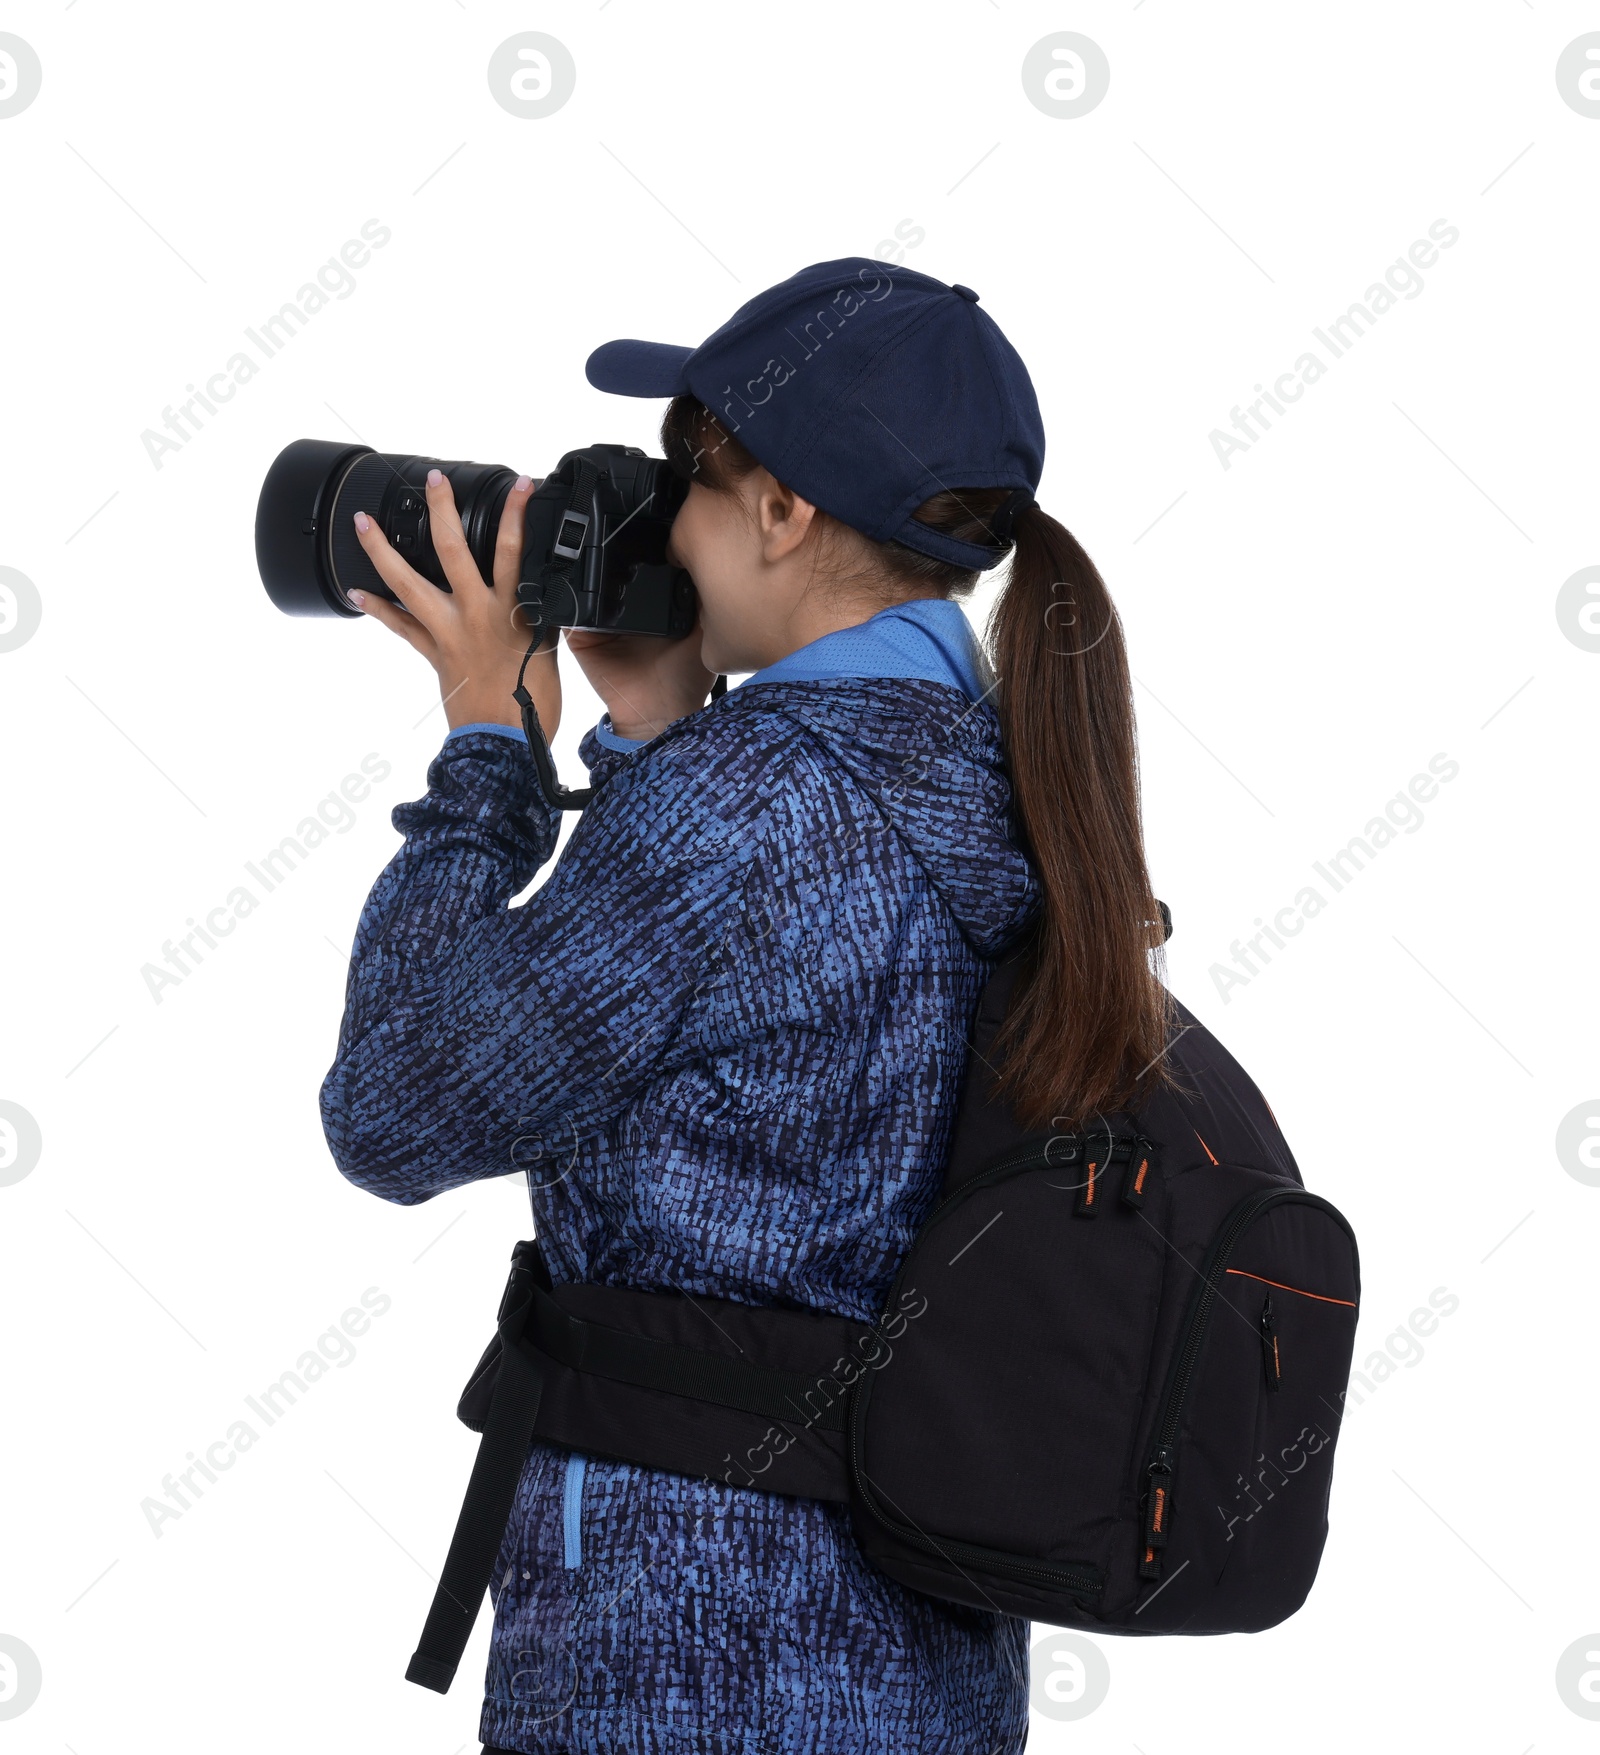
594	546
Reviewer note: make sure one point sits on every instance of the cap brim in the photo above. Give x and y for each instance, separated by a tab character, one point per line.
638	368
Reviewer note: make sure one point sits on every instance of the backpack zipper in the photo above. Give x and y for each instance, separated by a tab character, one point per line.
1160	1466
1120	1149
1271	1361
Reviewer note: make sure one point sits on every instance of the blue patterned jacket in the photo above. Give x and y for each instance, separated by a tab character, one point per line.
726	1038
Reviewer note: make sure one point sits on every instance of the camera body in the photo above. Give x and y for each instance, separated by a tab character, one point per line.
594	545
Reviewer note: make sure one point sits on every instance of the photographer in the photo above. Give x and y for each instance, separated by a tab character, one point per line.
727	1036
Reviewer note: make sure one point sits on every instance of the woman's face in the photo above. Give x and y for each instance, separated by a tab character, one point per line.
739	547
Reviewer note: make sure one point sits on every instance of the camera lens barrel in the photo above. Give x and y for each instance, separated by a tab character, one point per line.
307	549
595	542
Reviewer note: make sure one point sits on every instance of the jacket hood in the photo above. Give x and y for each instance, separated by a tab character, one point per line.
932	762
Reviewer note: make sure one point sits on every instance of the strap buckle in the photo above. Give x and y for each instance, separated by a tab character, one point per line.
571	535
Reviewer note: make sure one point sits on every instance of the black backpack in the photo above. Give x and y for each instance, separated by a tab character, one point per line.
1104	1391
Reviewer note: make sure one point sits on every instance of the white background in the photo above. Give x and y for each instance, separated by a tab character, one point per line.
1370	584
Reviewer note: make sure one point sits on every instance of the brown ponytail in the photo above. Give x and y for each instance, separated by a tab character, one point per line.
1087	1031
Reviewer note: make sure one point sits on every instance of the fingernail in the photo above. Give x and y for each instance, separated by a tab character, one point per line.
434	478
359	599
523	483
363	523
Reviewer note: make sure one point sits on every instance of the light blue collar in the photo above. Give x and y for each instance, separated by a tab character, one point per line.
927	639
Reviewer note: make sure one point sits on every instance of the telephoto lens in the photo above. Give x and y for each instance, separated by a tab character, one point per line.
306	544
595	535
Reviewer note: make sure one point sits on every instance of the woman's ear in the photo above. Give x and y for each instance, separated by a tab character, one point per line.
782	517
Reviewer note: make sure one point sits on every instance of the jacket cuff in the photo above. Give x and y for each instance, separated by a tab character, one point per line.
513	731
606	760
611	740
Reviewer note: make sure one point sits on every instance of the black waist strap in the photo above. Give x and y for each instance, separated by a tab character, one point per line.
748	1396
724	1381
513	1408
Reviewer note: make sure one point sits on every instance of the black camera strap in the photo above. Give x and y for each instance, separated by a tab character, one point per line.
578	517
580	500
557	796
580	504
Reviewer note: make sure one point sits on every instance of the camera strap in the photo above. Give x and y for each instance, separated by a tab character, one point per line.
580	506
576	531
557	796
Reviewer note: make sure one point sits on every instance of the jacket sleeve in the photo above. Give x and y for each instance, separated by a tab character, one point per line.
473	1030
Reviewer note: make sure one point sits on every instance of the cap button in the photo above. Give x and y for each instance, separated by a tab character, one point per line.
966	292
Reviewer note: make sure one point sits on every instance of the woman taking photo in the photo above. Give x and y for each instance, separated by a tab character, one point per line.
727	1036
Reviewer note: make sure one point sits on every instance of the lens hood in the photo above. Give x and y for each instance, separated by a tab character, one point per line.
292	525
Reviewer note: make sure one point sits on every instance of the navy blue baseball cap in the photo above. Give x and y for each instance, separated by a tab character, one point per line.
866	388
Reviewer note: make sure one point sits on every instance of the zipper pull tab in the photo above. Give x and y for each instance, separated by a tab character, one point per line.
1270	1358
1141	1168
1089	1189
1157	1510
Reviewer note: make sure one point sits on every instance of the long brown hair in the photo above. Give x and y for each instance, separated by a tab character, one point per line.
1087	1031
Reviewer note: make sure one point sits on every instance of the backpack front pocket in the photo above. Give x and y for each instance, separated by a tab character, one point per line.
993	1442
1235	1479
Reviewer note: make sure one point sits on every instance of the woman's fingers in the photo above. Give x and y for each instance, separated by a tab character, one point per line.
508	543
449	539
427	603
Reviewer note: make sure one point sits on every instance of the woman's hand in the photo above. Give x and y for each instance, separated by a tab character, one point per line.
473	635
646	682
